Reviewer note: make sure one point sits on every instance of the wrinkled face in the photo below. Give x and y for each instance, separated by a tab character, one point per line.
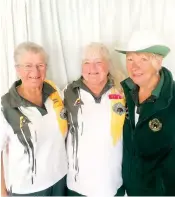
31	69
95	69
142	67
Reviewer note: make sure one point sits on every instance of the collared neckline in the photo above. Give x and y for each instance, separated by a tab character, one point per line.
79	84
17	101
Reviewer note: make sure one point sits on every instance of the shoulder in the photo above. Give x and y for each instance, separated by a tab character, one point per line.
51	83
54	86
71	87
5	100
174	83
71	93
4	129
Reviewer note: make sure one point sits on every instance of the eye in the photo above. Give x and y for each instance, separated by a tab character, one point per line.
28	66
41	65
86	63
144	59
99	63
129	59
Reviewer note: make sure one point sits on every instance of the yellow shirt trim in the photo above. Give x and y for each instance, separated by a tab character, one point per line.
58	107
117	120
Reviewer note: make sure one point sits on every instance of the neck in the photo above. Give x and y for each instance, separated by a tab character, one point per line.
146	90
96	88
33	95
31	91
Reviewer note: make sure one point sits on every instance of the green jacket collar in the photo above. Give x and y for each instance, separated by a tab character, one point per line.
155	92
164	99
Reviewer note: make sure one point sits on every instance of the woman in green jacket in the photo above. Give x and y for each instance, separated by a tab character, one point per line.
149	129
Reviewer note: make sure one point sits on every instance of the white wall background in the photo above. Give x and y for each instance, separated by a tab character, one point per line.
63	27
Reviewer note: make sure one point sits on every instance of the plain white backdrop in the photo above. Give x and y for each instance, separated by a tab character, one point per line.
64	27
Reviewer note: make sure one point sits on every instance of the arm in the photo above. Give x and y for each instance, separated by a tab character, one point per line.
3	187
3	142
168	174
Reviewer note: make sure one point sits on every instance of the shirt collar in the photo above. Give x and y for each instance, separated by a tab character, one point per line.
156	92
17	101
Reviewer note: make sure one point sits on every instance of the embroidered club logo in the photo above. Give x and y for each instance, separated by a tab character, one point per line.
155	125
78	102
119	108
63	114
23	121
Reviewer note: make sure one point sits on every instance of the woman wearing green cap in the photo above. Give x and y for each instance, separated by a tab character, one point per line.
149	129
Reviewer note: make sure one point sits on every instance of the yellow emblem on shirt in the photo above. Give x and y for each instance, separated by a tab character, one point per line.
118	113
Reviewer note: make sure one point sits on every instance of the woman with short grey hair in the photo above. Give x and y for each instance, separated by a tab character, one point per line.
33	129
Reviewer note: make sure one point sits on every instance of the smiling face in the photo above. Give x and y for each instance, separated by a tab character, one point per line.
142	67
95	67
31	69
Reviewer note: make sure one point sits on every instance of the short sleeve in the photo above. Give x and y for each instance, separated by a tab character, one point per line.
3	131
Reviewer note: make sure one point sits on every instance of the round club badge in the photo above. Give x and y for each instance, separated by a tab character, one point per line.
119	108
155	125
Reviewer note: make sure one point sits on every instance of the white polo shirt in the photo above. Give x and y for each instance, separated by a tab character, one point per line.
47	164
98	172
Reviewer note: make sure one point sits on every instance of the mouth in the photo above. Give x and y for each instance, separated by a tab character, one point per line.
35	78
137	74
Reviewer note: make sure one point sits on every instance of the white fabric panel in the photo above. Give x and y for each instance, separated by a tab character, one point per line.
43	20
12	31
65	27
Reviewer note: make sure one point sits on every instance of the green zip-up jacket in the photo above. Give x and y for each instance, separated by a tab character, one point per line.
149	146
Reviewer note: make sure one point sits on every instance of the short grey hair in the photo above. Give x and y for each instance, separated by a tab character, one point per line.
29	47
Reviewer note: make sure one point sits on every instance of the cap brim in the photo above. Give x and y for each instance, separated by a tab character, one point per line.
156	49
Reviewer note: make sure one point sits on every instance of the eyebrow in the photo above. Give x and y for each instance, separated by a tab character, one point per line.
128	56
93	59
138	54
32	63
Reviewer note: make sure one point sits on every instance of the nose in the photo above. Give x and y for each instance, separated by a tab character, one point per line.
35	69
136	65
92	68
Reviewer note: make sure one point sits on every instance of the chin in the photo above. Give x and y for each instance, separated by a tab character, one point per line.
137	80
140	83
36	85
94	82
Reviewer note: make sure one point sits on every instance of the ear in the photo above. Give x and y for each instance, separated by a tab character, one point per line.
157	62
160	59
